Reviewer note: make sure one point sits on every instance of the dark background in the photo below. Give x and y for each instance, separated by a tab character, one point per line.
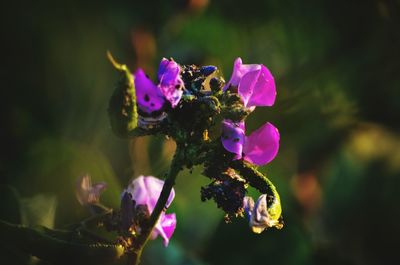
336	65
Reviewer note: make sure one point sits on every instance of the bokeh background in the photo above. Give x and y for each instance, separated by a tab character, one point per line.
336	65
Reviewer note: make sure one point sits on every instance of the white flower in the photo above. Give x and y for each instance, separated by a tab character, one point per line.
260	217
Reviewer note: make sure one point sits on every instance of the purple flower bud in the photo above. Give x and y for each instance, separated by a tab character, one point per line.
259	148
254	82
171	84
146	190
127	206
86	193
208	69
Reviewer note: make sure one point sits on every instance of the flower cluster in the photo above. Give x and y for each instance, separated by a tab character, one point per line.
137	203
146	191
256	87
206	118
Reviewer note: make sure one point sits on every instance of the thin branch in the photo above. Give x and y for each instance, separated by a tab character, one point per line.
141	240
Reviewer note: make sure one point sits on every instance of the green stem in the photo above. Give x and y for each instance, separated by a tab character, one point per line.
264	185
255	178
141	240
57	246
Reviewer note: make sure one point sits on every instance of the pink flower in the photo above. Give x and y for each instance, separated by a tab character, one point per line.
146	190
259	148
171	84
254	82
151	97
256	87
148	95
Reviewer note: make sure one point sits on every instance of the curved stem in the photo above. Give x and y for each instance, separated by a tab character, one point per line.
264	185
255	178
141	240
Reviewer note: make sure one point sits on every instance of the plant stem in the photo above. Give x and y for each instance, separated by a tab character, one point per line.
255	178
141	240
57	246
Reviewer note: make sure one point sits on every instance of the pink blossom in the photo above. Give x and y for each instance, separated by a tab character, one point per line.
171	84
254	82
259	148
151	97
146	190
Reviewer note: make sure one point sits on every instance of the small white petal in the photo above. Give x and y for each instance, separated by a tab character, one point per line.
259	219
248	205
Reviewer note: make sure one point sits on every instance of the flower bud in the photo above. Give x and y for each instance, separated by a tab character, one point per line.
122	109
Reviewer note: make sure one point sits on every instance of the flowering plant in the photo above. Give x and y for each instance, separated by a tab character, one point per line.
229	158
188	103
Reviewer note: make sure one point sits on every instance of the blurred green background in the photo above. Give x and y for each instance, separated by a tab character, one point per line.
336	67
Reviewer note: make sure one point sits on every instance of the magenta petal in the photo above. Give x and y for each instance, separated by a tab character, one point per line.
171	84
162	68
263	90
232	137
262	145
246	86
255	83
148	95
168	71
168	225
173	93
165	227
239	70
147	190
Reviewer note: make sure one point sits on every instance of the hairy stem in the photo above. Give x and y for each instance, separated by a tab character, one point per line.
140	241
264	185
254	177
